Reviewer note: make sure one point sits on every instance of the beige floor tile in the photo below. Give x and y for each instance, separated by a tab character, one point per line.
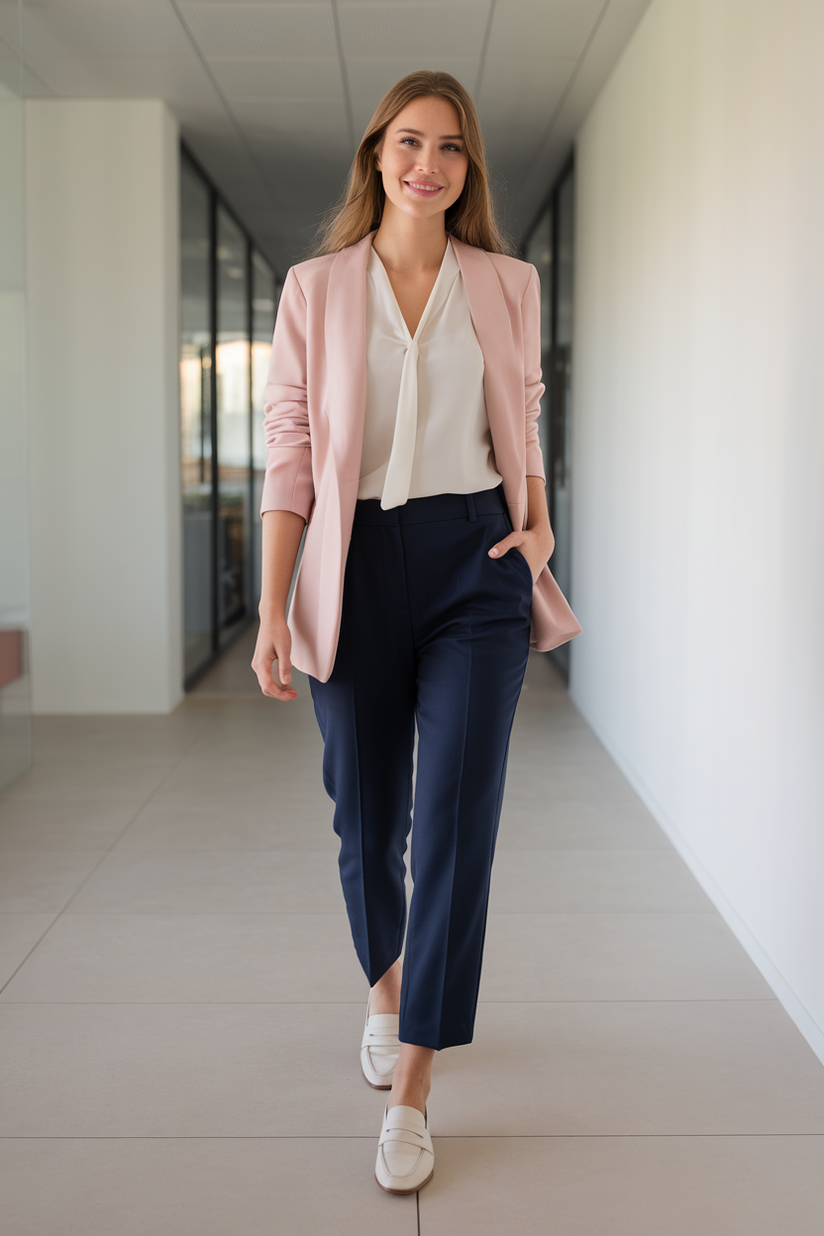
205	958
638	1186
289	780
42	881
184	1070
210	882
199	1187
593	881
19	933
130	780
289	755
68	750
241	780
87	740
616	957
541	781
70	825
253	799
631	1069
245	826
577	824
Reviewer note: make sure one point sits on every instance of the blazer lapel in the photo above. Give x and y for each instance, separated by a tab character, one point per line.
503	378
345	344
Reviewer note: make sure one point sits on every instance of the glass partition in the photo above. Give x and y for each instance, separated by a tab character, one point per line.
15	706
561	432
233	424
228	303
196	416
264	304
539	253
550	248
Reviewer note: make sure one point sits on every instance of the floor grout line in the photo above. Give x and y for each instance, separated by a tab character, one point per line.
106	853
358	1004
355	1137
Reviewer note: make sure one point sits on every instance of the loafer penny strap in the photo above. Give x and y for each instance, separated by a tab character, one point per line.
381	1031
421	1141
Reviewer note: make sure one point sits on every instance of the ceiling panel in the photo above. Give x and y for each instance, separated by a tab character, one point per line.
298	117
101	30
114	77
480	7
26	83
430	32
523	94
369	80
9	28
262	30
534	28
277	78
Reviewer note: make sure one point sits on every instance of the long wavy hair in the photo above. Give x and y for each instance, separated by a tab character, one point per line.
470	219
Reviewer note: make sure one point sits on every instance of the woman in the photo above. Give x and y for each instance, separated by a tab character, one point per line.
401	426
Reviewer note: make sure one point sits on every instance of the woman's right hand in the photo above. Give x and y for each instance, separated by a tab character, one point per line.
274	649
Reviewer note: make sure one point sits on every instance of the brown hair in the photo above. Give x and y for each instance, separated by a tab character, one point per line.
470	219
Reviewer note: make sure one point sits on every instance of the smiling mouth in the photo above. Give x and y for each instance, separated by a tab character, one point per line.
422	187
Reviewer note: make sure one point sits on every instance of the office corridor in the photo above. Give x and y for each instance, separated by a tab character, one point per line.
181	1021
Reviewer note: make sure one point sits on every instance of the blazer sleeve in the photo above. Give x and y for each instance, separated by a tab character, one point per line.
288	484
533	386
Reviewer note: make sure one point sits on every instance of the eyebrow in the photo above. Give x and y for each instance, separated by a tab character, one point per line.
447	137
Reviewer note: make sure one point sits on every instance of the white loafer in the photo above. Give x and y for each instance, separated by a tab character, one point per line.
406	1160
380	1048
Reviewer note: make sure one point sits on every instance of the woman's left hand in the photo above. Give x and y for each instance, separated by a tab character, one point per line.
536	545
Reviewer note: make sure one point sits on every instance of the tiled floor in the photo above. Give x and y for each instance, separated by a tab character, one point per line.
180	1024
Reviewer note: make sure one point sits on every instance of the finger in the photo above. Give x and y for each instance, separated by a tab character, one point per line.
502	547
276	692
269	684
285	694
284	670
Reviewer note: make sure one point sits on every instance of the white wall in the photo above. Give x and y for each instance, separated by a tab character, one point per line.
698	561
102	217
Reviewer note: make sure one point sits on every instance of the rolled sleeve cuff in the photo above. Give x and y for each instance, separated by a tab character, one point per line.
535	462
288	486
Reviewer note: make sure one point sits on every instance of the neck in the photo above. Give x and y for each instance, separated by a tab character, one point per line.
404	243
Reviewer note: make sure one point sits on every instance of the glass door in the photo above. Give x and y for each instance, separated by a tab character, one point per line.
228	304
232	362
560	402
196	417
264	304
551	249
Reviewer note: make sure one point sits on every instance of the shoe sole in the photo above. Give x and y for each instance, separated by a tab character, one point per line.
405	1192
373	1085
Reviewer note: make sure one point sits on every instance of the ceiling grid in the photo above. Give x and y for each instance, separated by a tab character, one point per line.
272	96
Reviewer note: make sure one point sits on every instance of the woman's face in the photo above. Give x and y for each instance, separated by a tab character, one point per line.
422	158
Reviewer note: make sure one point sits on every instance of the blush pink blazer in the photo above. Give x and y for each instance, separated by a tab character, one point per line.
314	410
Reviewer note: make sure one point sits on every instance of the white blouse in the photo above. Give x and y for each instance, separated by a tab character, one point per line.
426	429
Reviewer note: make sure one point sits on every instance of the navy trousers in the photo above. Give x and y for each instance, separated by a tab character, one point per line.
434	632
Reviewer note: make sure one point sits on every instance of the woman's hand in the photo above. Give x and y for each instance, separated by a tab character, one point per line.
282	531
274	644
537	541
534	544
